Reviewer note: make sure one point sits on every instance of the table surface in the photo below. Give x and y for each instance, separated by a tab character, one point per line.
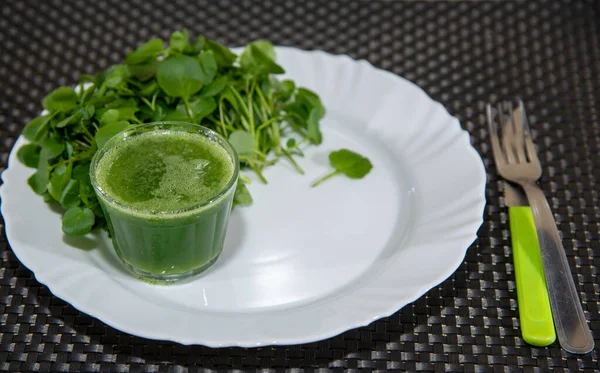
463	54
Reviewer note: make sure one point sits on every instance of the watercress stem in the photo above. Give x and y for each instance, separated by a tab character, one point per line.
298	144
87	132
153	107
266	124
145	100
241	103
188	108
264	100
291	159
258	173
85	145
324	178
251	107
263	155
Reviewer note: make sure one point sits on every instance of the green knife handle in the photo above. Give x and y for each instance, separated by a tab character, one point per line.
537	327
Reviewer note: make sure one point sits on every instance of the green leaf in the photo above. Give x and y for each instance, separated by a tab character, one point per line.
39	187
147	51
265	86
30	132
81	172
202	107
51	148
160	112
116	76
87	112
101	76
284	90
145	115
259	57
87	78
242	196
61	100
109	130
309	98
119	114
169	100
109	116
215	87
246	59
119	103
314	132
349	163
99	101
265	47
97	209
144	71
149	89
228	96
39	180
127	113
86	193
180	76
47	197
29	155
69	149
198	44
68	120
87	93
242	142
223	55
307	111
59	178
292	147
208	64
179	114
78	221
70	194
179	41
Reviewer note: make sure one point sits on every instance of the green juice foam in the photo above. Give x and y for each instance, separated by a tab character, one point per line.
164	171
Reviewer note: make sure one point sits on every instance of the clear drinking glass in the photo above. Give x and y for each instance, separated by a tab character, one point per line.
164	245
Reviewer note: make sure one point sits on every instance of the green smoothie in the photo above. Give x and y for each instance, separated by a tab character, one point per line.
166	191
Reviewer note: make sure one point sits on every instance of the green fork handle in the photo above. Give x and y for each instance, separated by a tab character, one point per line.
535	315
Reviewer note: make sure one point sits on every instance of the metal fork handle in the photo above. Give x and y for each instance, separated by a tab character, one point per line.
572	329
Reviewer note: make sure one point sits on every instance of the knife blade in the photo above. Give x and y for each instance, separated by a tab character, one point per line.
535	315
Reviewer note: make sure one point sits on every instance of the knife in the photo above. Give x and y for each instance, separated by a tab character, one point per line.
537	327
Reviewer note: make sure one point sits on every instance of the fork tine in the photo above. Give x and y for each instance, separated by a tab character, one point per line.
499	157
507	134
530	147
517	131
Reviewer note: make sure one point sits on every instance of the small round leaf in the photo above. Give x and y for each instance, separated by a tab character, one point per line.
180	76
78	221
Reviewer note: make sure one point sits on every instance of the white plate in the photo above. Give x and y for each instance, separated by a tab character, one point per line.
301	264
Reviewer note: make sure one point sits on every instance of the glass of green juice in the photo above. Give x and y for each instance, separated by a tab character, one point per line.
166	189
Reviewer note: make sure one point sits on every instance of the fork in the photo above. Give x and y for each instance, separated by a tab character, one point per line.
517	161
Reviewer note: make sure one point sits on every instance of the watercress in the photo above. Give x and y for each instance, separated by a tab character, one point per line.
347	162
199	81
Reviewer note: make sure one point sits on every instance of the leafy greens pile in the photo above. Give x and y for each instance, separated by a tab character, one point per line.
201	82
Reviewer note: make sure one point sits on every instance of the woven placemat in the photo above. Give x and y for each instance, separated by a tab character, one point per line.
462	53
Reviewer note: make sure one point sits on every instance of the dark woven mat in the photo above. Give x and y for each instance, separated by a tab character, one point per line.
462	53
